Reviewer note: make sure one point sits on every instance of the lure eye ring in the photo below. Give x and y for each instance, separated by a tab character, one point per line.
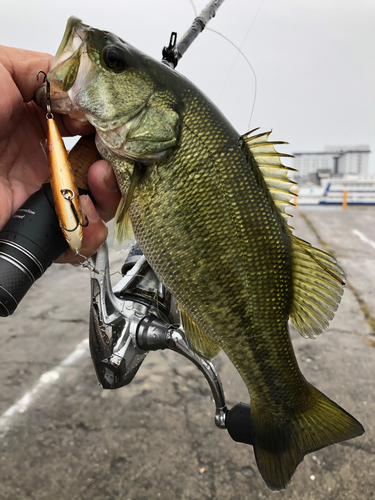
68	194
114	58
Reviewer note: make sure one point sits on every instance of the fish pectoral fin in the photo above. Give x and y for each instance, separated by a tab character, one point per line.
198	341
123	225
280	445
123	228
138	172
318	284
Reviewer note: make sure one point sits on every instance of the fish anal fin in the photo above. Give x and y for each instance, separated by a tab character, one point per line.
198	341
280	446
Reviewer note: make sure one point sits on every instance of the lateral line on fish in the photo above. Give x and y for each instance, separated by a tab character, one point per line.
280	325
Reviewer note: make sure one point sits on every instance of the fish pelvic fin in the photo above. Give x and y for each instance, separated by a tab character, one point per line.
281	444
198	341
123	229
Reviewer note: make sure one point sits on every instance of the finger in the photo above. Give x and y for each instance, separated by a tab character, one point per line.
94	235
67	126
23	66
104	189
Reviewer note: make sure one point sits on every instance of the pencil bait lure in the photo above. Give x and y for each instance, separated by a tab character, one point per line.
64	188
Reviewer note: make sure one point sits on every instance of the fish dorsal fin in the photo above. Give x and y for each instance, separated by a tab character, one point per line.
318	284
123	225
198	341
274	172
318	281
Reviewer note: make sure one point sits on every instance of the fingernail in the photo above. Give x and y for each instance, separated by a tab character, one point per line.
88	208
110	179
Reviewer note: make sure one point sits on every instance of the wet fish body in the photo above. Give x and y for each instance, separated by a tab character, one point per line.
208	210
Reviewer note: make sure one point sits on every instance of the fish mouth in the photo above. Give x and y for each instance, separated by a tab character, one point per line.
60	102
67	61
69	65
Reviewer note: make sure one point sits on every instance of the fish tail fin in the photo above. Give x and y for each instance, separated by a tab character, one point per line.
280	446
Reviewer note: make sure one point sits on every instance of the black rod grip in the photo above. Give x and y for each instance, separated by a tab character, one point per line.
29	243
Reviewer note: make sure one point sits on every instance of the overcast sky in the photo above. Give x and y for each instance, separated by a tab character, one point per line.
314	60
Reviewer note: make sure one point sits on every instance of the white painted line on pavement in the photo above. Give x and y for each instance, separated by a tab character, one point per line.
45	380
364	238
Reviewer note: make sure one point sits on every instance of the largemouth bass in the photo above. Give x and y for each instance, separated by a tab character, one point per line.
208	210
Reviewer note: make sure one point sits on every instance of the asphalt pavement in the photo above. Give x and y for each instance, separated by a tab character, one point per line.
62	437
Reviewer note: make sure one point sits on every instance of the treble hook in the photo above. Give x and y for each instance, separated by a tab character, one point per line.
68	195
49	114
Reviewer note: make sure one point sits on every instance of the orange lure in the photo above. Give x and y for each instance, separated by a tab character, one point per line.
64	188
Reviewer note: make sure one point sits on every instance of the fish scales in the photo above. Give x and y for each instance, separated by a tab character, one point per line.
204	213
233	297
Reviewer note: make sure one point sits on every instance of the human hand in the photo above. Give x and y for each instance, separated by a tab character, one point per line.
23	160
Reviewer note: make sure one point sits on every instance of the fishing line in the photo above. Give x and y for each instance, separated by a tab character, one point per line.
235	60
252	69
86	264
194	9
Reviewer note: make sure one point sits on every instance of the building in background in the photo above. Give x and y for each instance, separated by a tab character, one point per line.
333	161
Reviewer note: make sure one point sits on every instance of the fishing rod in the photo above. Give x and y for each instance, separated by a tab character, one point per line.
173	53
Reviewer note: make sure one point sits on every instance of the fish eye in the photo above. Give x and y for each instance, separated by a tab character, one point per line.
114	58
